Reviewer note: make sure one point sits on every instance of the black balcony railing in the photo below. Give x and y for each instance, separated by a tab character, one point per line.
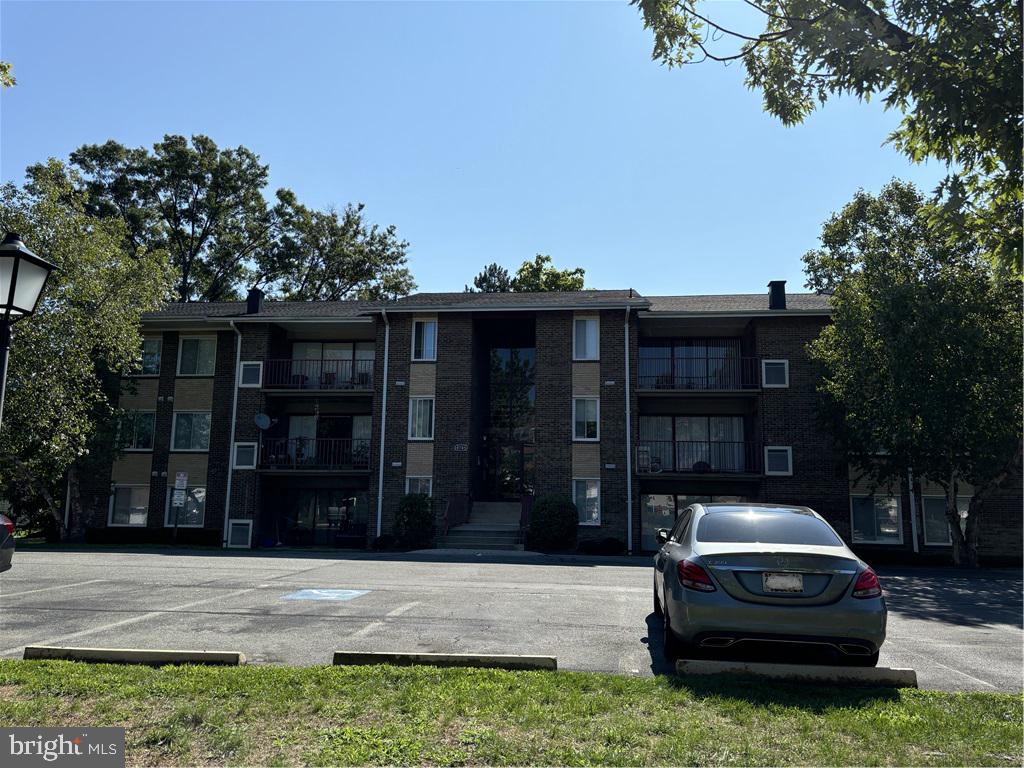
699	373
315	453
319	374
698	456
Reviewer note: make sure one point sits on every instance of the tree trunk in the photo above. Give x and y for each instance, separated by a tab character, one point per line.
75	529
962	554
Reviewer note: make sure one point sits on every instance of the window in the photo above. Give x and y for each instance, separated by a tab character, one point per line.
778	460
774	374
936	526
424	340
587	496
137	431
151	356
585	416
250	374
876	520
585	339
245	455
421	418
422	485
749	526
192	514
191	432
129	505
196	356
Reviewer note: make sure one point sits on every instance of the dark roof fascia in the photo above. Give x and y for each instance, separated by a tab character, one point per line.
738	313
435	308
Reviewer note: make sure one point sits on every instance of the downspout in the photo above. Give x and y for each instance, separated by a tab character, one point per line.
913	506
629	451
383	424
231	441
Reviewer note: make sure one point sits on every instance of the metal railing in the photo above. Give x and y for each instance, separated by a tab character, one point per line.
699	456
315	453
699	373
319	374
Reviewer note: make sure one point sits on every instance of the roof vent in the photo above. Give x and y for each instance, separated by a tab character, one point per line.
254	301
777	294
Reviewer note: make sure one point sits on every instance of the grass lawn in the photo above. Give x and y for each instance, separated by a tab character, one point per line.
389	715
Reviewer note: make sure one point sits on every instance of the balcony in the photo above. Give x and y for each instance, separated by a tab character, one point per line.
698	457
699	374
319	375
315	454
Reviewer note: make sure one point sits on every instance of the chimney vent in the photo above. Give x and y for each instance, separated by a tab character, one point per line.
254	301
777	294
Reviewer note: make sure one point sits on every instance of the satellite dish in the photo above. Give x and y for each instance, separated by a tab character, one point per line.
262	421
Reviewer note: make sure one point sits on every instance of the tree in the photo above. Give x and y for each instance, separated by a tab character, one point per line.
922	361
85	331
952	68
330	256
493	279
6	75
541	275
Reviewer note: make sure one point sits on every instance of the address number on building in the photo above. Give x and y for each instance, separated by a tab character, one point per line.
460	447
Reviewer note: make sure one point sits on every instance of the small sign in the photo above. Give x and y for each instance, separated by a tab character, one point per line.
325	594
178	498
181	481
460	447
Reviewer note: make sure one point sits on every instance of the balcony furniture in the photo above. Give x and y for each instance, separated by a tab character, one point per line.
699	373
315	453
320	375
698	456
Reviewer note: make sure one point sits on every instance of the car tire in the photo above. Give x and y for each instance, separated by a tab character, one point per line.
672	646
657	603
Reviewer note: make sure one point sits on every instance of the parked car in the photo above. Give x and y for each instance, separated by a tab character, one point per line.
6	542
732	574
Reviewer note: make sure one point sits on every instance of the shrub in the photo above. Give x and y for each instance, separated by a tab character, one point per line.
553	522
414	526
606	546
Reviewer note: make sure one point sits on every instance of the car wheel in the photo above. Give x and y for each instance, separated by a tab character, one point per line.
863	661
672	646
657	603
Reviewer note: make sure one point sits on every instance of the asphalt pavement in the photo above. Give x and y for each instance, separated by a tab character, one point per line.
959	630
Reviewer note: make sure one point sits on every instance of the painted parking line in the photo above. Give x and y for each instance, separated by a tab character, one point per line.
326	594
47	589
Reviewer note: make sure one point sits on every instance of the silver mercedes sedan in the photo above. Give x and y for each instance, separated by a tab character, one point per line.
728	576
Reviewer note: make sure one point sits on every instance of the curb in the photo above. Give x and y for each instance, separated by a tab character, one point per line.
803	673
135	656
483	661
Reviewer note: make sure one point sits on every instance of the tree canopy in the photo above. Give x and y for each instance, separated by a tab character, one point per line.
206	206
541	275
494	278
922	361
951	68
86	326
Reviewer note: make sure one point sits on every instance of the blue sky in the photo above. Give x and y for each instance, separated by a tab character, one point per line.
484	131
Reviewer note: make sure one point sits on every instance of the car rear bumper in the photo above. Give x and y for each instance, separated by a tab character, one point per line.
699	618
6	553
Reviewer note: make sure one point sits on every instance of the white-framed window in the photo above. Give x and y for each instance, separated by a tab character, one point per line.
245	456
197	355
424	485
192	514
151	347
586	418
936	526
421	418
250	374
586	339
129	506
586	495
424	340
876	520
778	460
190	431
137	431
774	374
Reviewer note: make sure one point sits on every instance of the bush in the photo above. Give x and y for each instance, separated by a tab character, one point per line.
414	526
385	542
606	546
553	522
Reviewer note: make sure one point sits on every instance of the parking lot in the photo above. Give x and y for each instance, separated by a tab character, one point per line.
960	631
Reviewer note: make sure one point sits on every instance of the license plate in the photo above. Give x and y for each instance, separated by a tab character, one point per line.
783	582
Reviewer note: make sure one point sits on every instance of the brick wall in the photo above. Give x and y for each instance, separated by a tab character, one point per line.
554	403
613	429
453	403
256	345
162	429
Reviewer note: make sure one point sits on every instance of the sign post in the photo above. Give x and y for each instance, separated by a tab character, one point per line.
178	498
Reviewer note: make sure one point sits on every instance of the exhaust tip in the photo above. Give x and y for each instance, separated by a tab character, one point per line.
853	649
717	642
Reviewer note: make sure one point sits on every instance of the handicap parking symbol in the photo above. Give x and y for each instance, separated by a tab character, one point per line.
325	594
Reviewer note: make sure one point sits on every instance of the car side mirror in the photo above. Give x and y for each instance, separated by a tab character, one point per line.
661	535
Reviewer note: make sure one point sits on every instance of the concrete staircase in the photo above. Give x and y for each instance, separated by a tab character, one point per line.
491	525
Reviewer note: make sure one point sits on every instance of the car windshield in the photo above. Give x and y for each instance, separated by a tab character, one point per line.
756	526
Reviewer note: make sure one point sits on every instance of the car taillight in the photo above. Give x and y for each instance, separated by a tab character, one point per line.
5	521
692	576
867	584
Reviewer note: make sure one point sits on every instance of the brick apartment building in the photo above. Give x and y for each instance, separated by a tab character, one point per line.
632	406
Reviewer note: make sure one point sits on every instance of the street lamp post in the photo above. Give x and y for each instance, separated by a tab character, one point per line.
22	278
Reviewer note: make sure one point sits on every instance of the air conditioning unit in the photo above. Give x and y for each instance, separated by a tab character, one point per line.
239	534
